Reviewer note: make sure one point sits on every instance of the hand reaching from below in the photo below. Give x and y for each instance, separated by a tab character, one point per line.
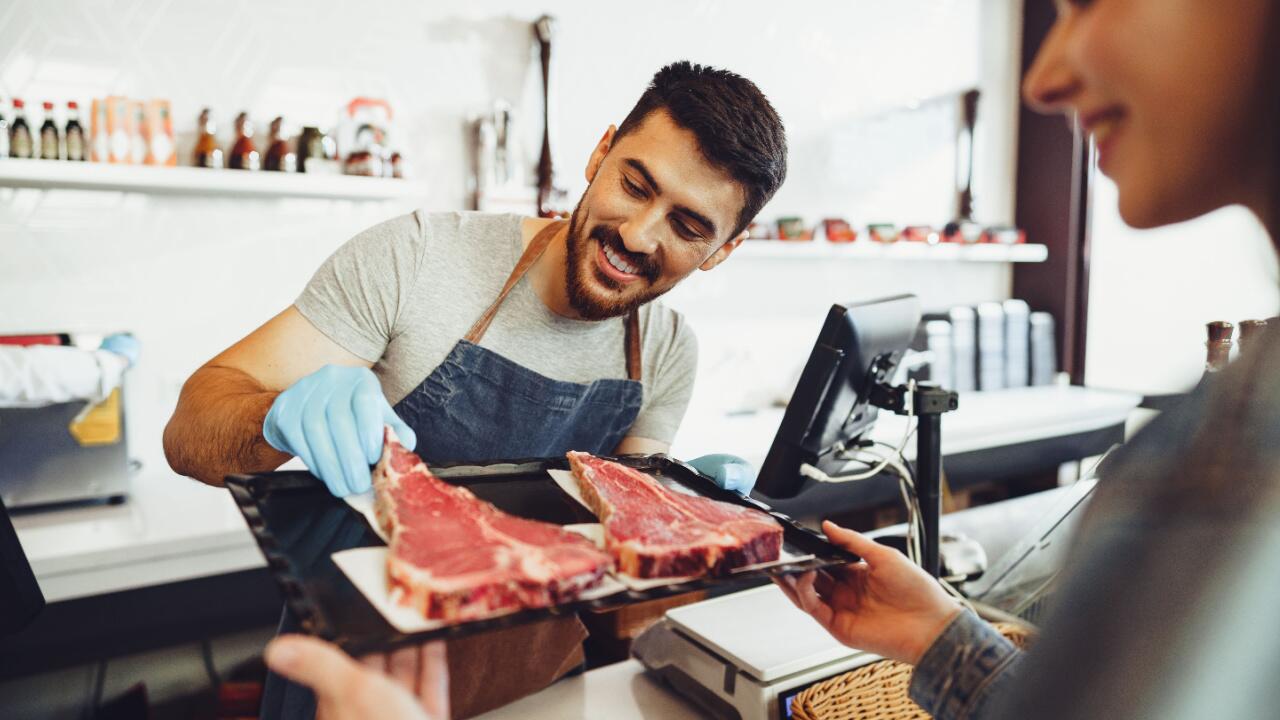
410	683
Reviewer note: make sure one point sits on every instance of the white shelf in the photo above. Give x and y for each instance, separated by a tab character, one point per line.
901	250
58	174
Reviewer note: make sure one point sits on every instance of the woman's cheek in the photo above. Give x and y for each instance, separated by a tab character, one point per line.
1094	50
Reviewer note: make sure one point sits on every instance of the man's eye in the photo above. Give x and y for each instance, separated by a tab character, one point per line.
632	188
684	230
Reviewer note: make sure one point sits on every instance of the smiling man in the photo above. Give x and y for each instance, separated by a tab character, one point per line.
480	337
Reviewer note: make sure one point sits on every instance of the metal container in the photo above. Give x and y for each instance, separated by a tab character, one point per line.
41	463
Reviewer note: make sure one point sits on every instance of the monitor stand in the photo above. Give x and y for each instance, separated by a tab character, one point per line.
930	402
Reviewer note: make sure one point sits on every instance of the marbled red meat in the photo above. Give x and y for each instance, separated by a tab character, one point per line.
455	557
653	532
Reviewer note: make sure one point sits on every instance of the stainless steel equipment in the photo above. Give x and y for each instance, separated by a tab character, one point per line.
499	182
41	463
64	452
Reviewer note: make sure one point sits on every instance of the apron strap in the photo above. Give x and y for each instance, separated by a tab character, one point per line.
536	247
633	345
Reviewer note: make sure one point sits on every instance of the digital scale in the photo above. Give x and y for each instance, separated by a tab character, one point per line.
744	655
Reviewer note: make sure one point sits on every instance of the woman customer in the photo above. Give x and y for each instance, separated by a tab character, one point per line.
1167	606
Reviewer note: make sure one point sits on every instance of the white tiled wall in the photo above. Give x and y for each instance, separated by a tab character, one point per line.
190	275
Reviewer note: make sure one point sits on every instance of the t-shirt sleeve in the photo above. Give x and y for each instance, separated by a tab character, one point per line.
660	415
357	295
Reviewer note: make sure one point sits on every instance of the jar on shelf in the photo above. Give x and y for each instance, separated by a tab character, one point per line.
363	162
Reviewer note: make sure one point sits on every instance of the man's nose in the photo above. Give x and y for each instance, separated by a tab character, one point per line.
1051	83
640	234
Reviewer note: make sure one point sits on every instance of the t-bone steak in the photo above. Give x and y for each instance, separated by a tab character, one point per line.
455	557
653	532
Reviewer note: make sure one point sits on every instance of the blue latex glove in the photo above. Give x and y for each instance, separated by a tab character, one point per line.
728	471
333	420
124	345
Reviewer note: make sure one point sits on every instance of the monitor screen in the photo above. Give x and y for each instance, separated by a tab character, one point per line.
860	345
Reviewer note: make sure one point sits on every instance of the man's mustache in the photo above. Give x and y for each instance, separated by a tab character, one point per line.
611	238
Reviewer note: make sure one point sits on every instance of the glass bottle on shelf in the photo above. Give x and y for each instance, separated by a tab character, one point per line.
316	152
278	158
74	134
207	153
19	133
1251	332
307	140
244	155
50	138
1218	346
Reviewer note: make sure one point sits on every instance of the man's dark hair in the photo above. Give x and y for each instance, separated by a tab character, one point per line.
737	129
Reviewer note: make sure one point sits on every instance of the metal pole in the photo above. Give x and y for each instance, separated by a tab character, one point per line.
929	486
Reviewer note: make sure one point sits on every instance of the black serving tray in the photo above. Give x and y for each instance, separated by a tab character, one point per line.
298	525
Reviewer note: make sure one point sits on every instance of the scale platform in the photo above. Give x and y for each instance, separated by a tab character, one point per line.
743	655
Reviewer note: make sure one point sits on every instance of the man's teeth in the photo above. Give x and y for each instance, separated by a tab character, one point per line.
618	263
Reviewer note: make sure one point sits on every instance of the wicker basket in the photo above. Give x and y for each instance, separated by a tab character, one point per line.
877	691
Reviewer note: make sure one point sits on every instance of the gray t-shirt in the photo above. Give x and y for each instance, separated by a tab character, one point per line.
403	292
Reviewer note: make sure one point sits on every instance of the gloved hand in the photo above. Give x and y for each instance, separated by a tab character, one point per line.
728	471
124	345
333	420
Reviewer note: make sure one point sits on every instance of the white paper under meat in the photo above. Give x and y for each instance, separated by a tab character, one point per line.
569	484
366	568
363	504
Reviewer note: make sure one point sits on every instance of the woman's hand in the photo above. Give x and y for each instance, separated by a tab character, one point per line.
411	683
884	605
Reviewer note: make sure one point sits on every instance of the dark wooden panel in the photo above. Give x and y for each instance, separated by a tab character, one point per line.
1052	193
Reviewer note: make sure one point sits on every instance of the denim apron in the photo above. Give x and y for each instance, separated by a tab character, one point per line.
479	406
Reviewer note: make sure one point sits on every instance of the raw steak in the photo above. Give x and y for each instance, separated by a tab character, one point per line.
455	557
653	532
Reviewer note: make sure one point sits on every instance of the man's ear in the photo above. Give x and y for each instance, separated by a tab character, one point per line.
602	149
723	252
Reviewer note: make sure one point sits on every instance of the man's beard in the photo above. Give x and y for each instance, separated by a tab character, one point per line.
581	262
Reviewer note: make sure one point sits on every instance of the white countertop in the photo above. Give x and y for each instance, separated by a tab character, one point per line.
170	528
173	528
618	692
983	420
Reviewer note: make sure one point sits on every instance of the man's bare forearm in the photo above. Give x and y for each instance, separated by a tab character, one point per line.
216	429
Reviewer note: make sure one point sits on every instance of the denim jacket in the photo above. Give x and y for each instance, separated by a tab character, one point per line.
970	663
1154	566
